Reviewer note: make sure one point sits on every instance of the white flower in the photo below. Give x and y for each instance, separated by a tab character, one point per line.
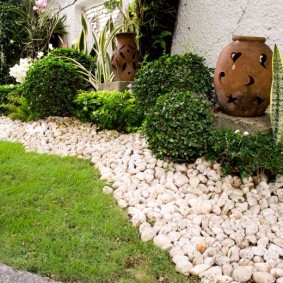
237	131
19	70
40	55
246	133
50	46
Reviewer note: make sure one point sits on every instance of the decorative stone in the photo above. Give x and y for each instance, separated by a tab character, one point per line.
148	234
223	279
162	242
263	277
184	266
242	274
196	270
215	224
107	190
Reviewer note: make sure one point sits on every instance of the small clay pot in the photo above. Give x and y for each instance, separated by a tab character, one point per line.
126	57
243	75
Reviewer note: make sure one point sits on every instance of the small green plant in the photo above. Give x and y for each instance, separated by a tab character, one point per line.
243	153
15	105
4	95
276	97
109	110
50	87
177	73
19	109
177	126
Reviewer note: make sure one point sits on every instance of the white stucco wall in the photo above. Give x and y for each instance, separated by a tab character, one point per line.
126	3
73	21
205	27
73	12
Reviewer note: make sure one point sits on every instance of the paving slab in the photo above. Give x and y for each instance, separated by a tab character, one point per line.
8	275
249	124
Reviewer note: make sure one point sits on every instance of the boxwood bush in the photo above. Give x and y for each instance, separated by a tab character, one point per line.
50	87
66	52
177	126
109	110
167	74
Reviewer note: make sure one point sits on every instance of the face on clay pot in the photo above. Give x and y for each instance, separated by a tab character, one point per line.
243	76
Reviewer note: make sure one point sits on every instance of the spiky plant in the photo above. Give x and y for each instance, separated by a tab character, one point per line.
276	96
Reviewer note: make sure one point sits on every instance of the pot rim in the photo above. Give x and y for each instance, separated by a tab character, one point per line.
248	38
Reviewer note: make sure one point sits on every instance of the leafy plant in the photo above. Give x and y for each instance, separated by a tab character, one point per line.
12	36
245	154
157	22
177	126
130	20
82	58
19	109
50	87
41	24
276	96
15	105
82	41
112	4
4	94
103	46
109	110
177	73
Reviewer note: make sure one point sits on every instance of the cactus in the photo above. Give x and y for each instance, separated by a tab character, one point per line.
276	96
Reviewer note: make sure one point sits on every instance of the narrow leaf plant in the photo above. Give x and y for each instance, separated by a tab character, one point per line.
276	96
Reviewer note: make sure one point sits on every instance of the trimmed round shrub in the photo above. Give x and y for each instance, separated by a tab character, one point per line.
86	60
50	87
177	126
167	74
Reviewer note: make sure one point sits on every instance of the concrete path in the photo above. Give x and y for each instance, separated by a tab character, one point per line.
8	275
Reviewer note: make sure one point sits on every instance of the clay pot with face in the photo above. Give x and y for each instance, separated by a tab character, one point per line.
243	75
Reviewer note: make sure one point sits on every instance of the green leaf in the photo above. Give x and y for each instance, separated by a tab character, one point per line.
276	96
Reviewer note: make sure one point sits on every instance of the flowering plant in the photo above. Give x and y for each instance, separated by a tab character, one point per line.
40	5
42	24
19	71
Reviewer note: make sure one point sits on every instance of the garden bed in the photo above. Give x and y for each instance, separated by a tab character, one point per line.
219	228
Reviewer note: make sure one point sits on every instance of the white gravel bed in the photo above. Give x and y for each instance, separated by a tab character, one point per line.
223	229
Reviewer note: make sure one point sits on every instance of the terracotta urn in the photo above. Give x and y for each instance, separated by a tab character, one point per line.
126	57
243	75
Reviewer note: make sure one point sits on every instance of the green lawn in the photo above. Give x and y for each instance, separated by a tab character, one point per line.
55	221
